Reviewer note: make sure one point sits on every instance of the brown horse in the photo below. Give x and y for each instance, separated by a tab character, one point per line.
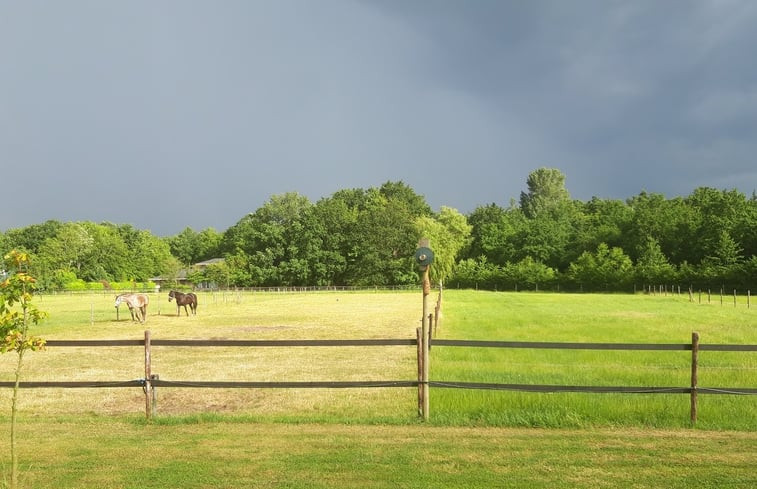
137	305
183	300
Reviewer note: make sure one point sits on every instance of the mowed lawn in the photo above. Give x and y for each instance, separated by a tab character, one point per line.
303	438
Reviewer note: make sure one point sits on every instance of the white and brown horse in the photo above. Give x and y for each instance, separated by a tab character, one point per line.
137	305
183	300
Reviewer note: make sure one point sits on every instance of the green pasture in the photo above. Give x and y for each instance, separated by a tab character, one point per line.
593	319
318	438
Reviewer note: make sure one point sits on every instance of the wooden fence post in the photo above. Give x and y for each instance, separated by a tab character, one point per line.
419	337
426	331
154	397
425	257
694	379
148	376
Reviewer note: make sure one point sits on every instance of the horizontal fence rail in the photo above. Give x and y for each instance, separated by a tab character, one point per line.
235	343
150	382
592	388
590	346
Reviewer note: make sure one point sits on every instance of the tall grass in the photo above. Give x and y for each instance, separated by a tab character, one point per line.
591	318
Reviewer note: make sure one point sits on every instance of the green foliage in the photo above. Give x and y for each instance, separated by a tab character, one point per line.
597	271
190	247
17	313
652	266
546	193
448	233
368	237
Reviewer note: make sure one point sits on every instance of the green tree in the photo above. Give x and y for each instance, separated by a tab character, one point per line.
31	237
17	313
529	273
109	257
652	266
334	220
384	242
191	247
716	211
495	233
401	192
607	268
673	223
185	246
274	241
449	233
599	221
546	193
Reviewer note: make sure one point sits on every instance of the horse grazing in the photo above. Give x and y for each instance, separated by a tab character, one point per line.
137	305
183	300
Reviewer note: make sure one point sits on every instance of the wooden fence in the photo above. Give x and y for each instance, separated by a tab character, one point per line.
150	381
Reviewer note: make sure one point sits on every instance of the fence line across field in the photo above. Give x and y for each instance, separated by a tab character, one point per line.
151	381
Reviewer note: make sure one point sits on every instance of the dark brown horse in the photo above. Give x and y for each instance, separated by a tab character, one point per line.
183	300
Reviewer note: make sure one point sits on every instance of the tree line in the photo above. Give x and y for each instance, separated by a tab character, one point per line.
364	237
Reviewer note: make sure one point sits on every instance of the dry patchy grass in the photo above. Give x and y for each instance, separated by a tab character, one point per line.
227	316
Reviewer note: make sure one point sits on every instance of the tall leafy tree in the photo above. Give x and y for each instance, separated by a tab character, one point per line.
385	240
546	193
551	218
606	269
110	257
717	211
671	222
495	233
68	249
600	221
449	233
274	241
652	266
30	238
185	246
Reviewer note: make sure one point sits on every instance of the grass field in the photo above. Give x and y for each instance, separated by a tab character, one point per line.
598	319
202	438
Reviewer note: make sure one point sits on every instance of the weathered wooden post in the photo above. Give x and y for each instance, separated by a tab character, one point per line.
424	257
419	337
694	374
154	399
148	376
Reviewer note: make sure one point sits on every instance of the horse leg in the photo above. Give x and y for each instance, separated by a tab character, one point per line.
144	313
